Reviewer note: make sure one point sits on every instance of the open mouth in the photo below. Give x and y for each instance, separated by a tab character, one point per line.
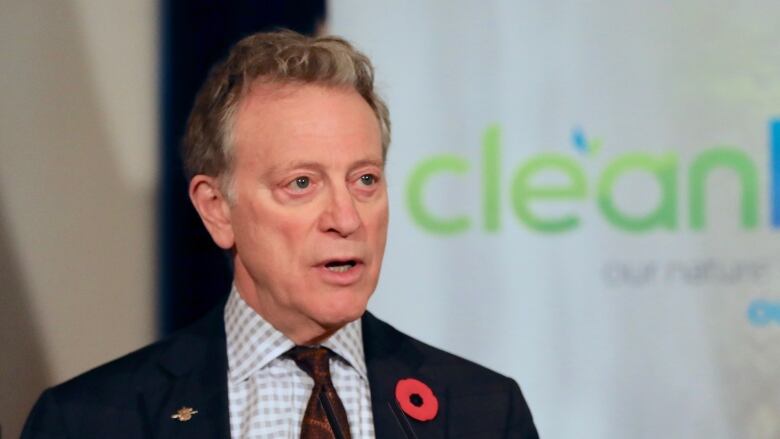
340	266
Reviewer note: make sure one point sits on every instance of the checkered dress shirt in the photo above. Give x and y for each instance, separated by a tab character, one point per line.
268	392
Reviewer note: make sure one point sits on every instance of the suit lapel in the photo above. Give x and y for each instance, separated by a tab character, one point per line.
390	357
192	374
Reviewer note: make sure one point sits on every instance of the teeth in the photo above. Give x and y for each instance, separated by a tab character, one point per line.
339	268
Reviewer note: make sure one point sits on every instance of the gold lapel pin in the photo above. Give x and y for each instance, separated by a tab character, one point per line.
184	414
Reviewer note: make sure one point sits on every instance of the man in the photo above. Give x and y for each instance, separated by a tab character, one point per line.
285	148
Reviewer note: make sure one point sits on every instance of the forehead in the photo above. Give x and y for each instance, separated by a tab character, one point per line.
295	121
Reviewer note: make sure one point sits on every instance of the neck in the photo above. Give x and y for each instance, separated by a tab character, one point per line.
300	330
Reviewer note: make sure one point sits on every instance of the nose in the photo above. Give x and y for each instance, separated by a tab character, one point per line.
341	215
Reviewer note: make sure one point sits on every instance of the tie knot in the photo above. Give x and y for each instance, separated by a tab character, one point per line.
313	361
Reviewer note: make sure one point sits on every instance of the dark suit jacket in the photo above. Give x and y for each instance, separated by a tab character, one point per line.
135	396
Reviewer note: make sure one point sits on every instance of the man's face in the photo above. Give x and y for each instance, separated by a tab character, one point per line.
309	218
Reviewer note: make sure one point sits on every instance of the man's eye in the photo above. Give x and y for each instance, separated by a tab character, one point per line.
367	179
300	183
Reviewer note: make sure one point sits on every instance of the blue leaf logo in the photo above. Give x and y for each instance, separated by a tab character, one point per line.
582	144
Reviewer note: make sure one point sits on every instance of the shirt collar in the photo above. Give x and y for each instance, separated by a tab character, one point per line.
347	343
252	342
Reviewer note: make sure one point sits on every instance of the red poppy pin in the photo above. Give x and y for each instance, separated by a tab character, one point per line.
416	399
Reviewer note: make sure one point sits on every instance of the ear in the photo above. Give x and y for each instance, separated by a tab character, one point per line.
213	208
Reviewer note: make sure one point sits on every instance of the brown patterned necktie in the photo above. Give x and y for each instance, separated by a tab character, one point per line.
325	417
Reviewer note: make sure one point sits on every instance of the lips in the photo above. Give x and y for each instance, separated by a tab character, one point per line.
342	270
340	266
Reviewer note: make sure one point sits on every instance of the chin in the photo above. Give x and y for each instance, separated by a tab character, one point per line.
339	313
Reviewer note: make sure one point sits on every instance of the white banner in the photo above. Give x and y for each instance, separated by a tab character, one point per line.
582	198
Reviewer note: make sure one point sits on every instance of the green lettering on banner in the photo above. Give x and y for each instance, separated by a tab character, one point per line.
527	191
491	160
664	169
745	170
524	191
415	197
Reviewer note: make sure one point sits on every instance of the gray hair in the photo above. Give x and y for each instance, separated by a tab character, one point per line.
283	57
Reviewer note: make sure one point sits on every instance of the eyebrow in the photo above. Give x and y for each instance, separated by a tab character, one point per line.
295	164
370	162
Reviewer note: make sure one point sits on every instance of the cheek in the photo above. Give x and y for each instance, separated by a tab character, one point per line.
377	222
291	244
382	217
289	232
275	236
